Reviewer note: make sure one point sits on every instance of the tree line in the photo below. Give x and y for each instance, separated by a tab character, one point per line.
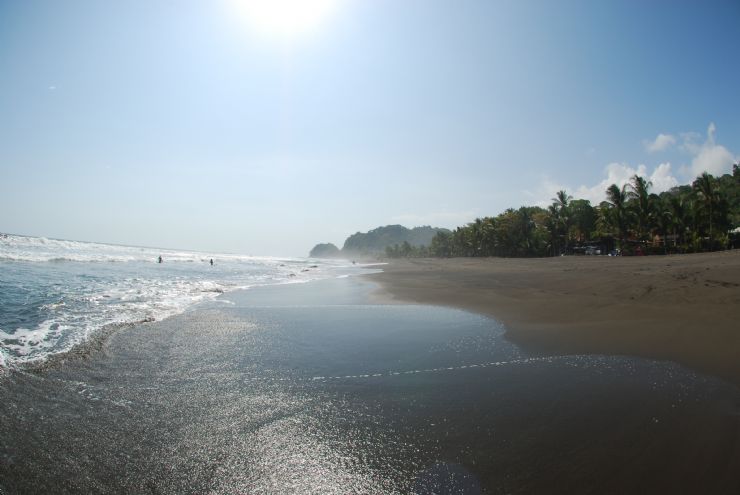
632	220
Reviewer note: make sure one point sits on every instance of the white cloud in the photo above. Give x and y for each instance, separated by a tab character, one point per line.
663	179
716	160
621	173
690	142
706	156
662	142
616	173
709	157
544	192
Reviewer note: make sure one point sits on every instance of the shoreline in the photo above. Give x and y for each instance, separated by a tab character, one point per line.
319	383
681	308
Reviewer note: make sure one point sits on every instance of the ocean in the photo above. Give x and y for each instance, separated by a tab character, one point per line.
57	294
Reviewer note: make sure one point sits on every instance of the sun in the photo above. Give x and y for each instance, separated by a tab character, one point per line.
284	18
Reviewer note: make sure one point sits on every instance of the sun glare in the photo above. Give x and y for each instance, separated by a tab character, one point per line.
285	18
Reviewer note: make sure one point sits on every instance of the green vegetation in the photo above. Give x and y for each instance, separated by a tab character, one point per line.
690	218
397	238
376	241
327	250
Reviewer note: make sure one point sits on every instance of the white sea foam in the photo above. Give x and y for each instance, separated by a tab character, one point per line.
41	249
511	362
77	288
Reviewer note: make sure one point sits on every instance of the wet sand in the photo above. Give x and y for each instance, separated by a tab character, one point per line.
681	308
312	388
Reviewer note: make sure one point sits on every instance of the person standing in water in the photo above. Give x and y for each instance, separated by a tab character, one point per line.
159	260
211	261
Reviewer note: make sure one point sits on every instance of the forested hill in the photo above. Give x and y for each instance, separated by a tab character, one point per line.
327	250
377	240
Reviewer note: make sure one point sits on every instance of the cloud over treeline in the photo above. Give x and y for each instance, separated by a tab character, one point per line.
703	153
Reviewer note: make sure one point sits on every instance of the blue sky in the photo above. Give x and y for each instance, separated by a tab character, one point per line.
185	124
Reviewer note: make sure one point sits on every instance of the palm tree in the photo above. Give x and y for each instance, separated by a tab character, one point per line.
664	221
562	200
488	236
617	199
441	245
476	234
526	226
560	214
680	213
643	204
582	219
705	187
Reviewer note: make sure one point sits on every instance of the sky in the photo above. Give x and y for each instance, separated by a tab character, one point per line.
218	125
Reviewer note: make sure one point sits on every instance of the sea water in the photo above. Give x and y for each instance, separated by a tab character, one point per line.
56	294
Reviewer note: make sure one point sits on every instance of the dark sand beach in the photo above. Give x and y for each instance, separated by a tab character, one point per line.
682	308
317	388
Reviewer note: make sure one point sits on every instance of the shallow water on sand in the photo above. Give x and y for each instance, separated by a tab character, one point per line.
309	389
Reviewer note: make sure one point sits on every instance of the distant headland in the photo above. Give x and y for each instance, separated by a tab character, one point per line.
378	241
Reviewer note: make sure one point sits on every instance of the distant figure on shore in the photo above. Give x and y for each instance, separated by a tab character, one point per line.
159	260
211	261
